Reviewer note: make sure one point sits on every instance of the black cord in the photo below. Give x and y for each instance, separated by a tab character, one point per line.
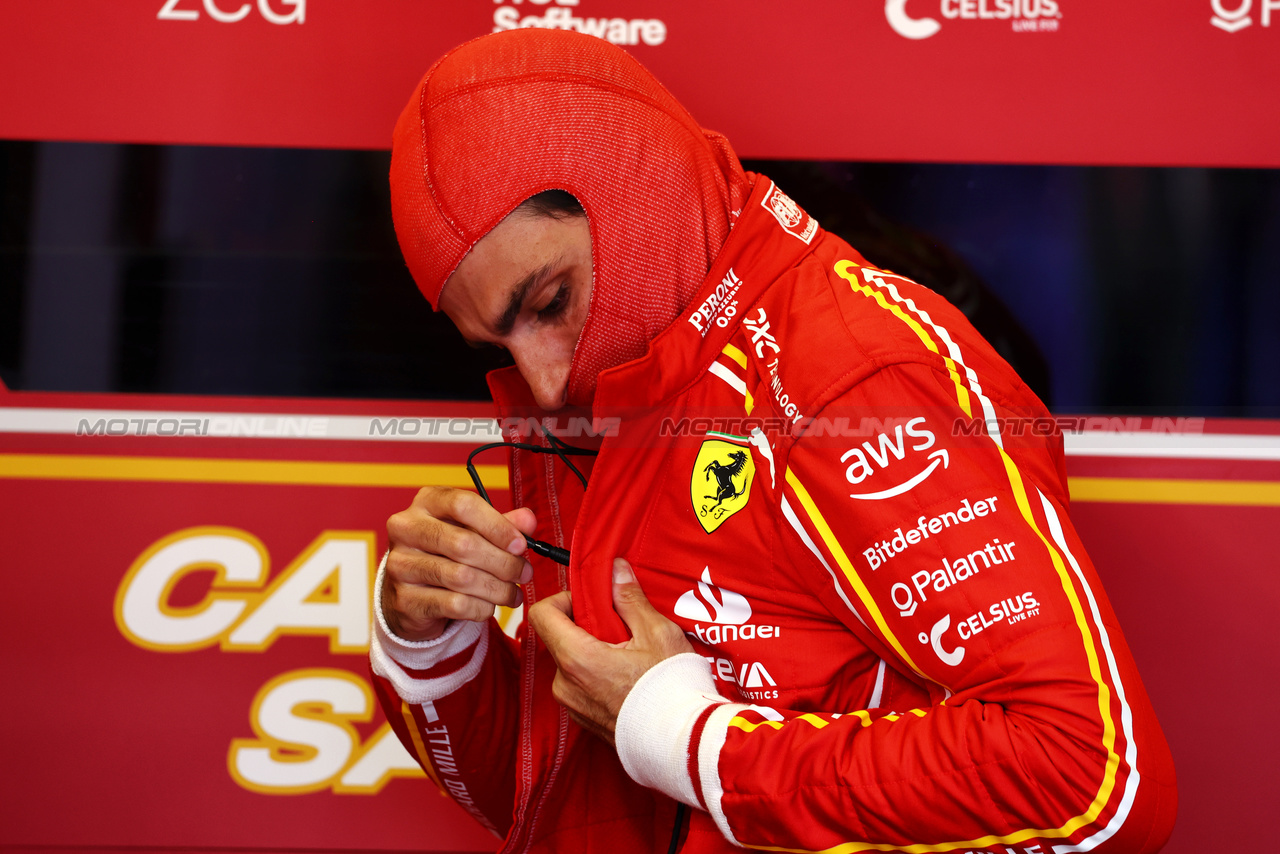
559	555
557	447
675	831
562	449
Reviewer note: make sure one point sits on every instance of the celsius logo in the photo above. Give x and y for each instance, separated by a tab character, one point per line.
950	658
1013	610
905	25
1027	15
1234	20
717	605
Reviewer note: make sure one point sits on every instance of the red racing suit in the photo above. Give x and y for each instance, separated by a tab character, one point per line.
858	513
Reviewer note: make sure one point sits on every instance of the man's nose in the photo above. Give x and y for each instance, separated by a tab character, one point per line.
548	381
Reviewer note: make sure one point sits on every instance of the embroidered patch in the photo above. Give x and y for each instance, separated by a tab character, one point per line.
720	484
789	215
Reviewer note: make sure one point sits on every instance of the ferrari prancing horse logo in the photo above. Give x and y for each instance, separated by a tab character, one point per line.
720	484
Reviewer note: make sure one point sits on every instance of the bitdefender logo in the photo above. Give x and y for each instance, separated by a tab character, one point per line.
1026	16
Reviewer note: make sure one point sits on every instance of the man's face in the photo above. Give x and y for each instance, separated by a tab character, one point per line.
526	287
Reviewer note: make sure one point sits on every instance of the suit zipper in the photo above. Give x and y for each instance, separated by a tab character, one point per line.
524	839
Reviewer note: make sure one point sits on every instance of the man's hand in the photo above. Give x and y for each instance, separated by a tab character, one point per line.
453	557
595	677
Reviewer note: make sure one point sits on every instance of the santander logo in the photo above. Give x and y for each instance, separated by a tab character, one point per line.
714	605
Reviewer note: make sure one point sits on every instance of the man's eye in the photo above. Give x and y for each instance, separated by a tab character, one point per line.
556	306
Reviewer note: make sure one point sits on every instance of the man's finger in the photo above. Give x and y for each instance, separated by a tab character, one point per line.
629	600
552	619
562	602
428	570
471	511
646	624
468	510
523	519
425	533
414	608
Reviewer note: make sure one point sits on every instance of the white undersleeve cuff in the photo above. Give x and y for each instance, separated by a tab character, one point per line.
656	724
390	655
714	733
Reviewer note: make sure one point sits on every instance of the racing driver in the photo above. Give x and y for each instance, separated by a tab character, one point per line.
819	589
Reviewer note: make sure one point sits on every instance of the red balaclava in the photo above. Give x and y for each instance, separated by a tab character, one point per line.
509	115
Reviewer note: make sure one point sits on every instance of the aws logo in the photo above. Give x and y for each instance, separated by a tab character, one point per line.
884	451
720	484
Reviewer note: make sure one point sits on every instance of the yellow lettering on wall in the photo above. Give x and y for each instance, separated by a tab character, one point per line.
302	721
142	611
305	740
381	760
325	591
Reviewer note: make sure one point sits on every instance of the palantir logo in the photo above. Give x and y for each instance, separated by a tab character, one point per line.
895	11
716	604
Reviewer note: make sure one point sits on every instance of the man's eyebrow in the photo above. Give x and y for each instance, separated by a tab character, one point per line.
521	290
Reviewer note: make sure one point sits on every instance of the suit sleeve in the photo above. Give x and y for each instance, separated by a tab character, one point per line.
948	549
452	702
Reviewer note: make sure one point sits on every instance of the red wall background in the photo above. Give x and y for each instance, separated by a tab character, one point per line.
1080	82
111	744
1183	527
